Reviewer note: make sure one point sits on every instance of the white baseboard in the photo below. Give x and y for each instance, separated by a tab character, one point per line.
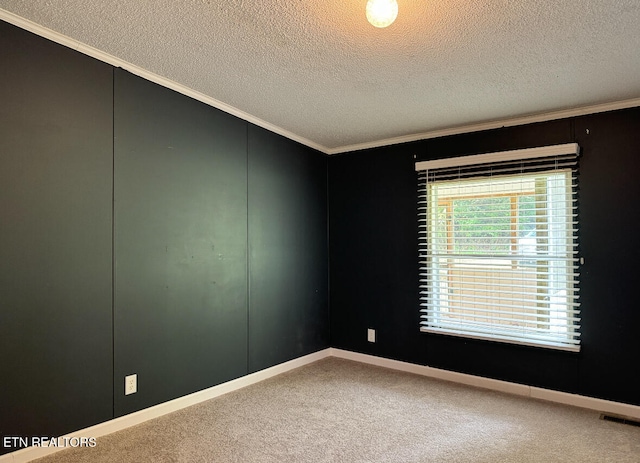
600	405
118	424
123	422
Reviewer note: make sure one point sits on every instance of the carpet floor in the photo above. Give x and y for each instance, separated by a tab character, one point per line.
335	410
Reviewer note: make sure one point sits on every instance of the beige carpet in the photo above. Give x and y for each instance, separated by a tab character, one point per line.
340	411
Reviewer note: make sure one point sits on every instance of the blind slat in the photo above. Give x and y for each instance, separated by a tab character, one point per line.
488	329
542	324
498	249
572	345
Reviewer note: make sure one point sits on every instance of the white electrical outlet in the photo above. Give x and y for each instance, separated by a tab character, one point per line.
371	335
130	384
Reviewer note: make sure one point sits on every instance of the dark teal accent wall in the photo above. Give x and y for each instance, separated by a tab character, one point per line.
288	250
180	314
56	144
143	232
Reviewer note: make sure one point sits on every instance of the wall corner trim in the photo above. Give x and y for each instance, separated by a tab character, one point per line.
132	419
565	398
123	422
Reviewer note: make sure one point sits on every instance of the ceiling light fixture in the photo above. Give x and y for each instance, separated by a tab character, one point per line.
381	13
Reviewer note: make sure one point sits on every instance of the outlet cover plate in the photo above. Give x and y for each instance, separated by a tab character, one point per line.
130	384
371	335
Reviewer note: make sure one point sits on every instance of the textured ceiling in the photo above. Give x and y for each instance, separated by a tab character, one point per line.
318	72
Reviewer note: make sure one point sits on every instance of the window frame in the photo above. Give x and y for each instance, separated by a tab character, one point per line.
536	337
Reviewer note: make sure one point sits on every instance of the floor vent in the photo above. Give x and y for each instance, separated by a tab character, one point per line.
620	419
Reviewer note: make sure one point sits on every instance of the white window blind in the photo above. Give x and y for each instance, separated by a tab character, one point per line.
498	248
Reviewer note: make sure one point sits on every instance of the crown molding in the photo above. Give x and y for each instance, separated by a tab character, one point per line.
496	124
88	50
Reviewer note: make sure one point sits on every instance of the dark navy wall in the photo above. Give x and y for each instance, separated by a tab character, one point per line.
609	192
373	258
373	248
143	232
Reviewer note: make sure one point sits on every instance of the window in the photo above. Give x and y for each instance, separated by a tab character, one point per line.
498	247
